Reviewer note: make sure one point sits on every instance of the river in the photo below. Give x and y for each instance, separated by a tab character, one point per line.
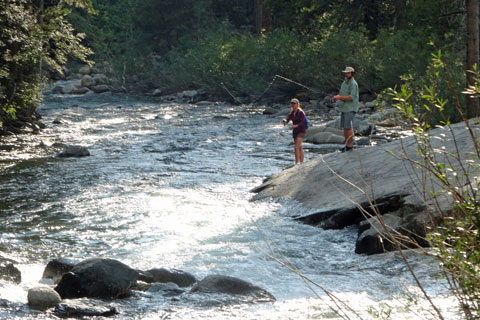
167	185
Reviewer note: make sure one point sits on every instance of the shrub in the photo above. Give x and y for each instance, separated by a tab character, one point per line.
24	45
247	63
396	54
457	241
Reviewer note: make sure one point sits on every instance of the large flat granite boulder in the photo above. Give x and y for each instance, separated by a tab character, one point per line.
342	189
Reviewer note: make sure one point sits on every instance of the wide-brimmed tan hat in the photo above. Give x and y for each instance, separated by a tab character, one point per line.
295	101
348	69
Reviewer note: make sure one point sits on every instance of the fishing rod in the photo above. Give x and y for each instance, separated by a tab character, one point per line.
297	83
269	86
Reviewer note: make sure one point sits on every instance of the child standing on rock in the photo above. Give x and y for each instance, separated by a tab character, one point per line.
298	118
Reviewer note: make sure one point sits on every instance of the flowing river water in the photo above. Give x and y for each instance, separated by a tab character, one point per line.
167	185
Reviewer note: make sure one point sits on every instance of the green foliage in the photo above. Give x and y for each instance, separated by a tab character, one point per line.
383	312
329	52
132	34
62	42
247	63
184	44
83	4
457	241
433	98
28	38
20	49
393	48
215	58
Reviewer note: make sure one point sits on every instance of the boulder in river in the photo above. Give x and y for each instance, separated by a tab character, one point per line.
361	127
270	110
391	232
97	278
283	112
157	92
179	277
324	135
189	94
326	138
81	90
232	286
100	79
43	298
375	238
67	87
87	81
8	271
74	151
101	88
57	267
318	129
86	69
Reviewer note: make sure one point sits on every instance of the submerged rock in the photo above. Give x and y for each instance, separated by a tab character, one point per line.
84	308
168	289
232	286
6	147
97	278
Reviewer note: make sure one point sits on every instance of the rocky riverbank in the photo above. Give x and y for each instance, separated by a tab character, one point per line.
383	185
376	123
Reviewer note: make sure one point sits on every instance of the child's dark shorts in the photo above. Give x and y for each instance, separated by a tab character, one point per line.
300	134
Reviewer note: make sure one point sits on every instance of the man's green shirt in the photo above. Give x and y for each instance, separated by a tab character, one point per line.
349	88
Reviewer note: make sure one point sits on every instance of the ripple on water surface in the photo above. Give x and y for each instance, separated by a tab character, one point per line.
167	185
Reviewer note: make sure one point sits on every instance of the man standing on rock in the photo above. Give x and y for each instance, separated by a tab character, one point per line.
347	101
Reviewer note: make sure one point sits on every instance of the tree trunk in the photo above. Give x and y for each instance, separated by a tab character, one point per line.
263	17
400	13
472	53
40	21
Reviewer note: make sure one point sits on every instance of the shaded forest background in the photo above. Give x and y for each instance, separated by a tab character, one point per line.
424	48
238	44
182	44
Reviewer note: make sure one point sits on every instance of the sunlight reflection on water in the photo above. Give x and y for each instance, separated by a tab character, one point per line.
166	188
